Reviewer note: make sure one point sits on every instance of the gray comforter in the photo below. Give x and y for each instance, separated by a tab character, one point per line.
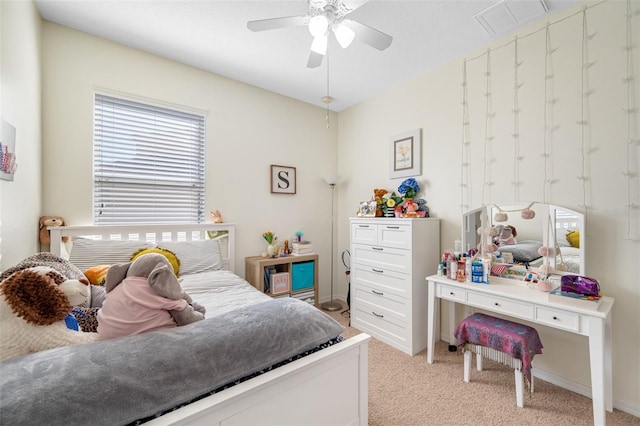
117	381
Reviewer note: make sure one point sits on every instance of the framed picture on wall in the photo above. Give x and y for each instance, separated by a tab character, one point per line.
405	154
283	179
7	150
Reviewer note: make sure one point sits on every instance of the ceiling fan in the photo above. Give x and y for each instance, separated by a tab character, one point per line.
324	18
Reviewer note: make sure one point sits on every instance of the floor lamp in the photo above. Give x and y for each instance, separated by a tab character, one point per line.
331	305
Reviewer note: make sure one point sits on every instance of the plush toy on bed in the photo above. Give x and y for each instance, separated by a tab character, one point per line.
45	235
34	303
144	295
506	235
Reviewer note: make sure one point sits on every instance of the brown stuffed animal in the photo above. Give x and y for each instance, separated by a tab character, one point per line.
45	236
378	194
216	216
33	306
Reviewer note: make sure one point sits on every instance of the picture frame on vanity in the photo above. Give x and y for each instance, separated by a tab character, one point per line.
283	179
405	154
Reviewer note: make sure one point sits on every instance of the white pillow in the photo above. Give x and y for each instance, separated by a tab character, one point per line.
195	256
86	252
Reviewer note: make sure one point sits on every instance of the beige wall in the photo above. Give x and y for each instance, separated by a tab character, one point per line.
433	103
248	129
20	106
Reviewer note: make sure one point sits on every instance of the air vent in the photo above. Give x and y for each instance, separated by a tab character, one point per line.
507	15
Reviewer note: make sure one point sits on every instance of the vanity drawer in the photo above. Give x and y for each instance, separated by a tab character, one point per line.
558	319
382	257
383	280
500	304
452	293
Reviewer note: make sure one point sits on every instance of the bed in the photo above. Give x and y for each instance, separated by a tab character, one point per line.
253	360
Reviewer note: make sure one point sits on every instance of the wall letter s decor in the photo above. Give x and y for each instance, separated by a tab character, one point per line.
283	179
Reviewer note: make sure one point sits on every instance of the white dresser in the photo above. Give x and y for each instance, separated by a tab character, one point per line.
389	260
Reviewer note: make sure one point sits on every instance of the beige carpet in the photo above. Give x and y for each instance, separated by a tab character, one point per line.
405	390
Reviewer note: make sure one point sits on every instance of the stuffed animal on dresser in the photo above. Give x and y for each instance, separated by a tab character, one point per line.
144	295
34	303
45	235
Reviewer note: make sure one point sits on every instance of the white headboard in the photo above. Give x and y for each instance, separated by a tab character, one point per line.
150	233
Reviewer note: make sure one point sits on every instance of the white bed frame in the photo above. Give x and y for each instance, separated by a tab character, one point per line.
328	387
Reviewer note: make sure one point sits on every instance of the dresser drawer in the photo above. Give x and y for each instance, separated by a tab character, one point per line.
383	280
396	236
452	293
382	258
384	235
558	319
364	233
382	303
499	304
381	323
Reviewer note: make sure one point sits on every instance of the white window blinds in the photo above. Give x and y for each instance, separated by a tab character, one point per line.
148	163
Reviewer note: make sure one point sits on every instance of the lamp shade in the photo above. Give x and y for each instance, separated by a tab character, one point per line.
332	179
318	26
319	45
344	35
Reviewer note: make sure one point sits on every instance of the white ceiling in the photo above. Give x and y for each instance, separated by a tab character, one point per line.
212	35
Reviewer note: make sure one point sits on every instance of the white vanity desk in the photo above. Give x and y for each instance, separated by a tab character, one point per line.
514	299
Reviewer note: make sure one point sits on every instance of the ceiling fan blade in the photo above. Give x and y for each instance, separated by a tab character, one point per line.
352	5
275	23
368	35
315	60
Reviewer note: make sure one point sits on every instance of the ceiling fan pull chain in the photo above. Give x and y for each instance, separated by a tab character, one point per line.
327	99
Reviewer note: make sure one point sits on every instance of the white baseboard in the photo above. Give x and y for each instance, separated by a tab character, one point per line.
622	405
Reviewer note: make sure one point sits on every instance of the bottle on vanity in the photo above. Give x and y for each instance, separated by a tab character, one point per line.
453	267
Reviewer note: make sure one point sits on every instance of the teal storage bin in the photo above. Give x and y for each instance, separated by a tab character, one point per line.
302	275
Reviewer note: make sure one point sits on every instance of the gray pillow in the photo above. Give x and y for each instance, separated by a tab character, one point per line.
524	251
195	256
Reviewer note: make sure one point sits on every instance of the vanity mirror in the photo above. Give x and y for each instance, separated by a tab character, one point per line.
552	226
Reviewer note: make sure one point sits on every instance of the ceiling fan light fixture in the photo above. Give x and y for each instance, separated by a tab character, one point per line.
344	35
318	26
319	44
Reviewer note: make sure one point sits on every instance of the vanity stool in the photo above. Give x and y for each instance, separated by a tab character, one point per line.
503	341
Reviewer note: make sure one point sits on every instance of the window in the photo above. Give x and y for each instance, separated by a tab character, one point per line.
148	163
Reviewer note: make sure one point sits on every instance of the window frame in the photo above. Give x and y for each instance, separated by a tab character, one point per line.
148	162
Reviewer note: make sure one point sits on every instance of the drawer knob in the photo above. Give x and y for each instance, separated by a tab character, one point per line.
378	315
452	293
377	292
555	318
377	270
497	304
